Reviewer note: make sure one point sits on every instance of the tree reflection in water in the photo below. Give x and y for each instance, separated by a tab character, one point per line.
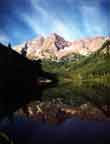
90	102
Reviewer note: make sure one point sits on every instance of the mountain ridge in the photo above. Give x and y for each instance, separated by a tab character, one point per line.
55	47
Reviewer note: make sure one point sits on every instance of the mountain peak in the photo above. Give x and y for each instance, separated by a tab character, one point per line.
55	46
54	34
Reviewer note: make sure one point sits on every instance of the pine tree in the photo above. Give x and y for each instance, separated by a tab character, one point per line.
24	50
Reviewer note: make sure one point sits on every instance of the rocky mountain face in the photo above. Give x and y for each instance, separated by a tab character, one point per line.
55	47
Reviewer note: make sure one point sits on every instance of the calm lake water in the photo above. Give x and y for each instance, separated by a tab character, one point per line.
72	130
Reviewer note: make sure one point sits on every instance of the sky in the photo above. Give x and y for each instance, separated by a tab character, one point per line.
22	20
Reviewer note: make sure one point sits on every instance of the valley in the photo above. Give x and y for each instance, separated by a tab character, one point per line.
83	87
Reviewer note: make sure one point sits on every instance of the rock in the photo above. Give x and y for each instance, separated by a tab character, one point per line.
55	47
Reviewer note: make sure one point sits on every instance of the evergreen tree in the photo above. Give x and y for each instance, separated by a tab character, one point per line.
24	50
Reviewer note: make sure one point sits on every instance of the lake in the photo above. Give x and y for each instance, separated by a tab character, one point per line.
66	114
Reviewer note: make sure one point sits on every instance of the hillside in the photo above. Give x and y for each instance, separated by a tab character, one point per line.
96	65
75	66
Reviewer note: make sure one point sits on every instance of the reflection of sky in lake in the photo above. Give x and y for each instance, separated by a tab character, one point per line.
70	131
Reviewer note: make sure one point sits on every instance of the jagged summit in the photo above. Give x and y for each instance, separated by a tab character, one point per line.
59	41
55	47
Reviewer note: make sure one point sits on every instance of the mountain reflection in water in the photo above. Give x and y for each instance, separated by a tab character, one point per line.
85	102
74	117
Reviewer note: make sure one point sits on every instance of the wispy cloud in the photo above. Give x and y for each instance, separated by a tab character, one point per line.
4	38
48	22
73	19
93	20
88	2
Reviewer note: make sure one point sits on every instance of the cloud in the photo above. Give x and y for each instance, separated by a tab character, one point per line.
4	38
81	20
30	22
92	19
38	8
43	21
87	2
